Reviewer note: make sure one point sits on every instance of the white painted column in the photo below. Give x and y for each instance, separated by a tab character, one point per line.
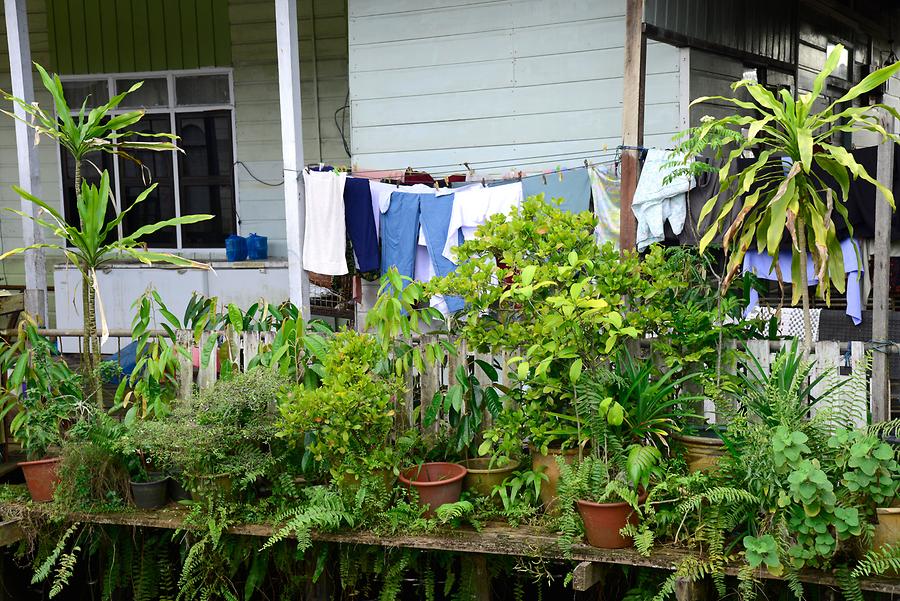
292	147
29	171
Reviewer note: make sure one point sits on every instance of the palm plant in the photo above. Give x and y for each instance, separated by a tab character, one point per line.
85	246
796	199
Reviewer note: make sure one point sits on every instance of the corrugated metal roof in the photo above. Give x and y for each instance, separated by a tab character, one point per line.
763	28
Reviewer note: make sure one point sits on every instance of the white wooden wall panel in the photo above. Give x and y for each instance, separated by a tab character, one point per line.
434	83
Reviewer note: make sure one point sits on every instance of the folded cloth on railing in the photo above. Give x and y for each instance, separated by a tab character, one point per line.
761	265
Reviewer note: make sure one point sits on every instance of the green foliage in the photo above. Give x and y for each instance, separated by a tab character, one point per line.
348	421
762	550
870	468
51	396
798	200
227	429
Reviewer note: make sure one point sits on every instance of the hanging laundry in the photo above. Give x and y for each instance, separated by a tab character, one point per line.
760	264
606	191
473	206
400	233
361	223
655	203
571	185
377	174
325	233
435	218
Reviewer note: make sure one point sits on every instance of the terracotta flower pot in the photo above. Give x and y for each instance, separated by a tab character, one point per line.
702	453
41	477
481	478
437	483
547	465
150	495
602	522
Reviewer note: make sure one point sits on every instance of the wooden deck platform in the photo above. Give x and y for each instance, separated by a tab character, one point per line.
493	539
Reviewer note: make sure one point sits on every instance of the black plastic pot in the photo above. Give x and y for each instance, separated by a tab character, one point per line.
150	495
177	491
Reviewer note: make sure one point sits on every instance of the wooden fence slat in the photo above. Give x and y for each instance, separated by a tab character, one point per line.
827	359
454	362
206	376
250	342
859	365
429	384
185	339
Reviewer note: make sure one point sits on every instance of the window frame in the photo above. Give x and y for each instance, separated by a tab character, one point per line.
171	110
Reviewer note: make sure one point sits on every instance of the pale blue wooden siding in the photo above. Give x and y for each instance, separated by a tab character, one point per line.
435	83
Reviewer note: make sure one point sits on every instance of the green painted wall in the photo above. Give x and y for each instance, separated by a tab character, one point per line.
116	36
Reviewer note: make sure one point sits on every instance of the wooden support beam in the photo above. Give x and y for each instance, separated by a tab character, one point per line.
29	163
292	148
632	117
481	587
687	590
587	574
880	397
10	532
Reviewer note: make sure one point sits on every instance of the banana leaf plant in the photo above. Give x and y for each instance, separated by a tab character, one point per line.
784	189
102	129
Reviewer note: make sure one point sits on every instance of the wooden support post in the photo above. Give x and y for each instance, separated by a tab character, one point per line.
292	148
880	400
185	340
587	574
29	163
481	586
632	117
687	590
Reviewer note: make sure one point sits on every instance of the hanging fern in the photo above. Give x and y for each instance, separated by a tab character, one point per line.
324	510
44	570
878	562
64	571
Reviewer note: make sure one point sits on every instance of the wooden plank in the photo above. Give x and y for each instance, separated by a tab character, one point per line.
859	388
881	398
492	539
632	117
141	30
156	24
78	35
429	384
28	160
110	37
93	36
827	360
11	532
222	29
250	344
12	303
126	27
173	39
185	339
587	574
286	27
206	376
206	36
190	58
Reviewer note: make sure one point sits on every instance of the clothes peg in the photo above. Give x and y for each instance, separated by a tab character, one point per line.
559	173
544	177
585	164
483	183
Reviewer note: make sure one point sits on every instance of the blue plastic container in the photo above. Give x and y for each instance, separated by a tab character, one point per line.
235	248
257	247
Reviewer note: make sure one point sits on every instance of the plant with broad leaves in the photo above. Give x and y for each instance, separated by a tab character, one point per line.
86	246
763	550
786	188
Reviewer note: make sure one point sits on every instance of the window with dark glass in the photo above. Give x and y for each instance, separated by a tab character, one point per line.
205	175
198	179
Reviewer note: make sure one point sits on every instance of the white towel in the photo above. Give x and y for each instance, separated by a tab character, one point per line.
655	202
325	234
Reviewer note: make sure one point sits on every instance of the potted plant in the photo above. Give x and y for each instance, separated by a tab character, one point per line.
346	422
46	396
149	489
223	439
436	483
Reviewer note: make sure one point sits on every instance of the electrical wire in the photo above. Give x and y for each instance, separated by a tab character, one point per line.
342	126
250	173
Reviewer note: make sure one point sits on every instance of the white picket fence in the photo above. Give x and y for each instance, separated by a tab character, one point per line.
840	361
